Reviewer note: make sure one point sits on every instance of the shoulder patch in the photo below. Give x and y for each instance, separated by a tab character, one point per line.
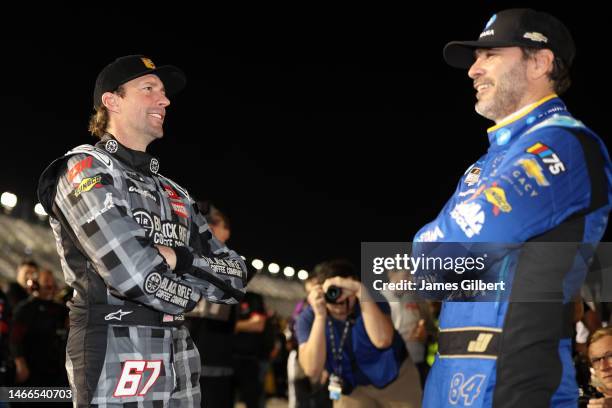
176	186
92	151
548	156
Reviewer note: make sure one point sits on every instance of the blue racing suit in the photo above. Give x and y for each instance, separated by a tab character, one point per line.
547	178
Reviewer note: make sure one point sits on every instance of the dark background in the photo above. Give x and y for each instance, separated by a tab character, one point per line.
314	129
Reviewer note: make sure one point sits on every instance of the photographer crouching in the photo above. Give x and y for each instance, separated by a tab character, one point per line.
352	337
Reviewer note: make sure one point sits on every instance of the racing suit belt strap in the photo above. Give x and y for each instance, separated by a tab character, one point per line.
132	315
469	342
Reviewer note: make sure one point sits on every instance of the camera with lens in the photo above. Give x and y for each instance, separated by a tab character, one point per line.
332	294
32	285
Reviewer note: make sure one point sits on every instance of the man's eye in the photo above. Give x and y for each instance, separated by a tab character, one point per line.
148	88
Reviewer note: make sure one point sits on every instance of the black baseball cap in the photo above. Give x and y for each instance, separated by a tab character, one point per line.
515	28
126	68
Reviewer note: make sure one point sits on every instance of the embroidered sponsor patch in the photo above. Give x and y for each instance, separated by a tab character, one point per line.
152	282
111	146
79	167
88	183
173	318
431	235
225	266
141	192
534	171
472	176
154	165
177	205
520	183
165	233
117	315
469	217
497	196
548	156
167	290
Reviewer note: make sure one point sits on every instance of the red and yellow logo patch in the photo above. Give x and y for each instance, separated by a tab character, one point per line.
148	63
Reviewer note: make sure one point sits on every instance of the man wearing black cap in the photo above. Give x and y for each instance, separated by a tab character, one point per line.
546	177
135	248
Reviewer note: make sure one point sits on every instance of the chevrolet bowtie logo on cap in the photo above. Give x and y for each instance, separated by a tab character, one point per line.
148	63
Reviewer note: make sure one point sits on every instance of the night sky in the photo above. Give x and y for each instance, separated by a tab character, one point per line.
313	129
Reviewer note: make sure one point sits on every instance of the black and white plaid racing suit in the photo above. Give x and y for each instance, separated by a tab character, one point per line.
108	209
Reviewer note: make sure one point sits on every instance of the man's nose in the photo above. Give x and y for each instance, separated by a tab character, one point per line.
476	69
163	101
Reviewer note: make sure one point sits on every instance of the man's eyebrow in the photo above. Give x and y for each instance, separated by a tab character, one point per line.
151	83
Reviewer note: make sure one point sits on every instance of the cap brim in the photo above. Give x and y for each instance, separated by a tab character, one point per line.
173	78
460	54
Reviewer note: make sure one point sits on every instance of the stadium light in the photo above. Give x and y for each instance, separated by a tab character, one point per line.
302	275
257	264
39	210
8	200
288	271
273	268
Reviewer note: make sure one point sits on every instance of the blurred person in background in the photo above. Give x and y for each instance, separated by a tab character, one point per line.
600	358
6	365
413	321
352	337
303	392
212	327
38	336
275	342
587	321
20	289
250	354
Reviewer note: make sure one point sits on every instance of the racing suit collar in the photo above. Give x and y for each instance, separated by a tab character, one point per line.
517	123
142	161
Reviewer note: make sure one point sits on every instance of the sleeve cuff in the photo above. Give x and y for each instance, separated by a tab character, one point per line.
184	260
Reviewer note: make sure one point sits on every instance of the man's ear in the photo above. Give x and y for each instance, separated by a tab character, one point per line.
111	101
541	64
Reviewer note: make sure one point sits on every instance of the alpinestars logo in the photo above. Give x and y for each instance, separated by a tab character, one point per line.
469	217
117	315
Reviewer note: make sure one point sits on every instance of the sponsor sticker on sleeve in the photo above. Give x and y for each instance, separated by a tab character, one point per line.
548	156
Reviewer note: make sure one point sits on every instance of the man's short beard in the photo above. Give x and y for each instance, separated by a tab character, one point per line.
509	92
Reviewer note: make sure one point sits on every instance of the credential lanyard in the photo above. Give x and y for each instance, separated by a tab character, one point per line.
337	353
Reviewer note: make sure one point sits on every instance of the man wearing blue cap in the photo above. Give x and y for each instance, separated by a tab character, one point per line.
546	177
